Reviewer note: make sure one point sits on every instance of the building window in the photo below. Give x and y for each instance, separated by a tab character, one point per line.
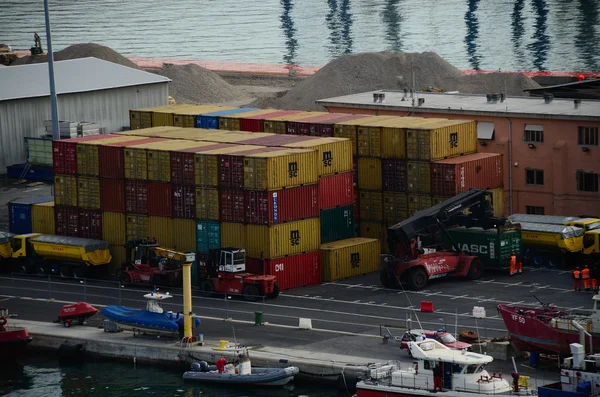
588	136
587	181
533	210
534	177
485	130
534	133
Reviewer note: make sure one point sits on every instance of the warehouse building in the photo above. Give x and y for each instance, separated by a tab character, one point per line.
550	146
88	89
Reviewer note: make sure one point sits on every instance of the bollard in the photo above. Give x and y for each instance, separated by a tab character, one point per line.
258	318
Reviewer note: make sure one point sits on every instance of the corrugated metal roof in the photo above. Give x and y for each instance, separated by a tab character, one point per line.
75	75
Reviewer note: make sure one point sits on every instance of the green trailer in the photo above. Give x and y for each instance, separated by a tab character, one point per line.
493	246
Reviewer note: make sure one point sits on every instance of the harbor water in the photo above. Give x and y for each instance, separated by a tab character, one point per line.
524	35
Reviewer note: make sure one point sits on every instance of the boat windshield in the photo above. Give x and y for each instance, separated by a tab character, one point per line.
448	338
471	369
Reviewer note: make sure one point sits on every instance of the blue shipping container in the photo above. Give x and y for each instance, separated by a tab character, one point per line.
19	213
36	172
210	120
208	236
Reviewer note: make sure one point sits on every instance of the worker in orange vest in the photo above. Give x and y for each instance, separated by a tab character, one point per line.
577	279
585	275
512	265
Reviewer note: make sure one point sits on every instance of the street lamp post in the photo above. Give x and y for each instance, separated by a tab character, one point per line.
53	102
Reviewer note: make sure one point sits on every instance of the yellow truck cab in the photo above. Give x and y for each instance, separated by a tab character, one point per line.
19	245
5	249
591	227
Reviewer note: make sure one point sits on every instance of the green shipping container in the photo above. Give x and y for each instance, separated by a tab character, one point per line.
337	224
493	247
208	236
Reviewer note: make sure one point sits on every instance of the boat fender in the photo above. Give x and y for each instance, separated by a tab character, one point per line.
3	322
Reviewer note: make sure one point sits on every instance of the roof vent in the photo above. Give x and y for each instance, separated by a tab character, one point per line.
405	92
411	92
375	97
421	101
548	98
378	97
492	98
381	97
577	103
502	97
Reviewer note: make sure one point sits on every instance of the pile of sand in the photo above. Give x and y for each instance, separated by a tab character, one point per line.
350	74
80	51
195	84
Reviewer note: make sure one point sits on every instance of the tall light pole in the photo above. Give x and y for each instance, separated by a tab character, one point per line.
53	102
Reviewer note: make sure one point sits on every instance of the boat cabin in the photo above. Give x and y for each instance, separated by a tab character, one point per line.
154	298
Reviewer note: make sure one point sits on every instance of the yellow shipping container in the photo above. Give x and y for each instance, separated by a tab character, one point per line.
284	239
161	229
278	125
349	258
370	204
87	160
276	168
231	122
206	162
418	174
435	200
119	258
135	163
184	235
207	203
334	154
369	173
498	201
140	118
349	129
158	157
136	226
113	227
393	137
187	118
234	235
65	190
441	139
376	230
42	218
417	202
88	192
395	207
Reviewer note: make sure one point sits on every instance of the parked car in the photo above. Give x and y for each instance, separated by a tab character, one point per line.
440	335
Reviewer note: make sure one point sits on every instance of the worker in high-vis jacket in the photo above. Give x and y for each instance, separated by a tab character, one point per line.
585	275
512	263
577	279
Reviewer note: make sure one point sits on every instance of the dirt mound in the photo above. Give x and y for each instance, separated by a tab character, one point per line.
80	51
195	84
351	74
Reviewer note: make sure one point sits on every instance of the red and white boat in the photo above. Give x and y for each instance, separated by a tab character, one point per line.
461	372
13	340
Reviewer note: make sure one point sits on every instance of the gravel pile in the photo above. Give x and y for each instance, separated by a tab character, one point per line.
80	51
195	84
356	73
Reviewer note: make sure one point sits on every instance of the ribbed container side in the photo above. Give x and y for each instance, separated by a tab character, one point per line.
346	131
184	120
88	192
370	203
337	224
64	157
183	168
393	143
336	190
376	230
498	201
65	190
111	163
419	176
293	271
66	221
159	199
112	195
393	175
474	171
333	154
160	228
118	252
113	227
369	173
90	224
184	201
417	202
369	141
208	236
42	218
87	160
231	172
252	125
136	197
275	127
207	203
283	170
229	123
233	235
355	170
283	239
160	119
136	226
184	234
355	202
159	165
440	143
395	207
279	206
136	163
207	170
140	119
435	200
232	206
39	150
349	258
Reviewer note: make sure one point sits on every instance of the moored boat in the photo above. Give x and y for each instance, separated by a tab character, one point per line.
13	339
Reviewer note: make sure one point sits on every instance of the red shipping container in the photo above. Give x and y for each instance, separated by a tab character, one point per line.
159	199
232	206
291	271
90	224
64	153
279	206
231	171
473	171
182	168
136	197
319	125
110	157
184	201
393	173
66	221
256	123
112	195
336	190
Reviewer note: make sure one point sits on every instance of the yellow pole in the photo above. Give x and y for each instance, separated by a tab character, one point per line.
187	302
